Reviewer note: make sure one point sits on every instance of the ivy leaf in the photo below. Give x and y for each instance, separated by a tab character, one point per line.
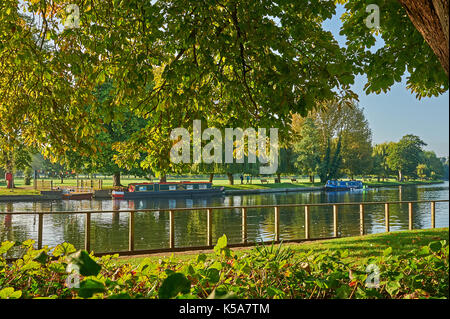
89	287
9	293
7	245
392	287
435	246
85	264
42	258
387	251
173	285
64	249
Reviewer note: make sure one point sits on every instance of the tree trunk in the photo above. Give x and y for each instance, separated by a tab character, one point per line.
163	179
279	177
230	178
116	179
61	178
311	178
400	177
430	17
211	176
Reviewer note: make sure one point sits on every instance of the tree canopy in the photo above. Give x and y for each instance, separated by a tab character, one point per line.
228	63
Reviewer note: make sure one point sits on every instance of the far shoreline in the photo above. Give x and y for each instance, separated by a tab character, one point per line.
238	189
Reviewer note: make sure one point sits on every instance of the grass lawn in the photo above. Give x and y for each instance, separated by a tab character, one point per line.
360	248
18	191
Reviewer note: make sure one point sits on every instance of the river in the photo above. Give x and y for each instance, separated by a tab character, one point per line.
109	231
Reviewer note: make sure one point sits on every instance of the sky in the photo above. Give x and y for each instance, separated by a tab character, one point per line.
396	113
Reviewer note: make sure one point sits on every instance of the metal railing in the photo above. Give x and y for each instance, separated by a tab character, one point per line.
244	242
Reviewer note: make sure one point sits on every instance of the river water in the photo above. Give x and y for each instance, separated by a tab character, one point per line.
109	231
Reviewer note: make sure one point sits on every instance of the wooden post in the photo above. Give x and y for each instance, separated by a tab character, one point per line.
410	213
306	222
209	227
277	223
386	216
40	227
361	219
244	225
433	214
335	220
51	185
171	230
87	232
131	231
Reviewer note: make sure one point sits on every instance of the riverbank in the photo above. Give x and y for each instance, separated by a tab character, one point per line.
28	194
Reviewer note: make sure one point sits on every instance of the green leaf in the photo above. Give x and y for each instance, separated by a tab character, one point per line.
343	292
213	275
217	294
201	258
222	242
86	265
42	258
435	246
9	293
173	285
89	287
7	245
392	287
64	249
387	251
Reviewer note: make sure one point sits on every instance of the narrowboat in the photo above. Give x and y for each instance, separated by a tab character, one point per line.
67	194
333	185
169	189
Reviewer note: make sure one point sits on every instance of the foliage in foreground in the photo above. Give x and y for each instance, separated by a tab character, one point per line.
264	272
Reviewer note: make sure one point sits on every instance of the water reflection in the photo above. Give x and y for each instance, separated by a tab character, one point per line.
110	230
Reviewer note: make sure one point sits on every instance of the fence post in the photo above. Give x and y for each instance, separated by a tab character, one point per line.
410	214
306	222
335	220
386	216
209	227
244	225
171	230
361	219
131	231
40	227
433	214
277	223
87	232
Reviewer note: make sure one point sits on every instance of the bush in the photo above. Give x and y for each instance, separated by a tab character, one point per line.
265	272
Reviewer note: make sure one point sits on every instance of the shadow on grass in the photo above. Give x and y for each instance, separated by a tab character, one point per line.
364	247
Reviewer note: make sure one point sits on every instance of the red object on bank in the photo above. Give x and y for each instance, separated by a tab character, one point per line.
8	177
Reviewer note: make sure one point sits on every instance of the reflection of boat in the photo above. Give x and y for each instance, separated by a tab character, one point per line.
68	194
171	189
333	185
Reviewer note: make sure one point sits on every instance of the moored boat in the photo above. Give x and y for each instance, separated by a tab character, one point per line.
171	189
76	195
333	185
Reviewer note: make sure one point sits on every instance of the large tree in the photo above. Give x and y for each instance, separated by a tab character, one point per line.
226	62
405	155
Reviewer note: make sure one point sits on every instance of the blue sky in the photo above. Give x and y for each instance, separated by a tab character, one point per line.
396	113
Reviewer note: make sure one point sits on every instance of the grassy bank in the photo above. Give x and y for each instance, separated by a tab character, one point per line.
286	182
360	248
